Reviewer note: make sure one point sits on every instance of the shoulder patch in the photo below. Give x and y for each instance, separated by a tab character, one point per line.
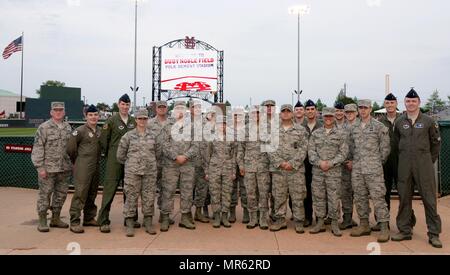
105	127
436	125
75	133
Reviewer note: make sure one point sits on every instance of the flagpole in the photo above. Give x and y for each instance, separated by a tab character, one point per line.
21	77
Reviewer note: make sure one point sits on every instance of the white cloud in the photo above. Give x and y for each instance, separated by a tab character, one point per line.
373	3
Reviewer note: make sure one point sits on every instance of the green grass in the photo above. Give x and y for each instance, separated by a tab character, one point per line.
17	132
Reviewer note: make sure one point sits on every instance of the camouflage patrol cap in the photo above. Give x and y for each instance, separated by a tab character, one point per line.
161	103
268	102
141	113
179	103
351	107
57	105
365	103
328	111
286	107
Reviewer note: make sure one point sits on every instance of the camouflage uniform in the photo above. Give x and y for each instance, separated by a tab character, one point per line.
347	190
138	152
49	154
256	166
371	147
172	172
84	150
200	183
156	127
221	159
326	186
292	148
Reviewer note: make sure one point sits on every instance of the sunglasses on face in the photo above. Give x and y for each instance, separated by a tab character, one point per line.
363	107
142	118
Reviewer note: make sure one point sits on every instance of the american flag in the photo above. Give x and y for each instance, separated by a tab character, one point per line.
15	46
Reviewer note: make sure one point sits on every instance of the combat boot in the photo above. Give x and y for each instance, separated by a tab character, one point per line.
91	222
186	221
362	230
76	228
199	216
384	234
225	220
376	227
42	226
346	222
263	220
164	222
130	227
232	217
206	211
299	227
148	225
435	242
216	221
104	228
278	225
245	216
253	220
319	227
327	221
335	228
171	221
57	222
400	236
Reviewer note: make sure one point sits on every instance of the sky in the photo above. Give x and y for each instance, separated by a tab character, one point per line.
90	44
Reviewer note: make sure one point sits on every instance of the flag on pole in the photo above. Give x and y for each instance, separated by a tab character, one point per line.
15	46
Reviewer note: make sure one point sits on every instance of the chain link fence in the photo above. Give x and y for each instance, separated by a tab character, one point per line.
444	159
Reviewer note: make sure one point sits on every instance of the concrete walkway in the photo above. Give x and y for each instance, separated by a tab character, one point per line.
18	235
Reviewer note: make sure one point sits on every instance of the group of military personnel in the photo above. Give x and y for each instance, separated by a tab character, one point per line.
271	160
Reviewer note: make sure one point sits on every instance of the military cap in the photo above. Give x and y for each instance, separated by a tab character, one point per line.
365	103
179	103
269	102
412	94
57	105
125	98
328	111
161	103
310	103
351	107
91	109
339	105
141	113
286	107
193	102
390	97
299	104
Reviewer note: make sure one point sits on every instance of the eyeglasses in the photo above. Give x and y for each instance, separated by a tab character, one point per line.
363	107
162	107
142	118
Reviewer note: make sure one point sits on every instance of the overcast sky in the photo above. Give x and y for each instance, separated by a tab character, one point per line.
90	44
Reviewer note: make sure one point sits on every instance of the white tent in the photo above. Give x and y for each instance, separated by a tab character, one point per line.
383	111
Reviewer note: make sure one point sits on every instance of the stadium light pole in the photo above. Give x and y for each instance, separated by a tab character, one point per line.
135	51
299	10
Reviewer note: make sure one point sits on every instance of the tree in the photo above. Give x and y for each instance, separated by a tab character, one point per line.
320	105
101	106
448	100
227	103
171	106
115	107
344	99
51	83
434	103
375	106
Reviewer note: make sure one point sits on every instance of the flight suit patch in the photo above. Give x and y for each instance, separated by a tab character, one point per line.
405	126
418	126
121	127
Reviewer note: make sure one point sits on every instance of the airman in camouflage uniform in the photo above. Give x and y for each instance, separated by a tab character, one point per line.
253	163
138	150
84	151
287	166
351	111
239	189
156	125
200	183
327	151
179	151
50	158
371	145
221	171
